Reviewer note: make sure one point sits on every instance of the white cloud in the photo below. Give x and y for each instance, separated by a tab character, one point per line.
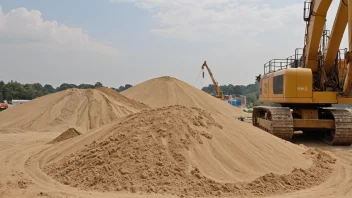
228	20
241	35
36	50
235	37
214	20
22	28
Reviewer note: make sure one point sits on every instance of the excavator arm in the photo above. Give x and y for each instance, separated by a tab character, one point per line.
331	76
347	88
315	26
217	88
336	36
343	17
323	61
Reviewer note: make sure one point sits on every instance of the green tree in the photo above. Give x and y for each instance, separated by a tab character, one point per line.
123	88
251	98
2	90
65	86
49	89
210	89
98	84
127	86
16	90
235	90
85	86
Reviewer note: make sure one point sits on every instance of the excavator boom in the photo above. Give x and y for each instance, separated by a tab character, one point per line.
219	94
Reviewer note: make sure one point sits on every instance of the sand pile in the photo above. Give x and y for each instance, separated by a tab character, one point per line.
68	134
187	152
165	91
81	109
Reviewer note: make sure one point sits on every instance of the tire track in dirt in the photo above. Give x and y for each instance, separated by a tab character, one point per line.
340	182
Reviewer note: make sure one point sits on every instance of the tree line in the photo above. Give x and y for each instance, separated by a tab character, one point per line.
14	90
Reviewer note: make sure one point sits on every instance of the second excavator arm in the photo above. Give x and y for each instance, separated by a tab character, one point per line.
331	76
217	88
324	62
336	36
347	88
343	17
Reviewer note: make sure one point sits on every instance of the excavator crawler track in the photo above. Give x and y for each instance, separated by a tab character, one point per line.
276	120
342	134
279	122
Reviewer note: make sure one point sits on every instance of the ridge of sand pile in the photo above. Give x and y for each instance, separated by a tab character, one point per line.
83	109
165	91
68	134
188	152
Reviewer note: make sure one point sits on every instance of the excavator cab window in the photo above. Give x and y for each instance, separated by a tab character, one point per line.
278	82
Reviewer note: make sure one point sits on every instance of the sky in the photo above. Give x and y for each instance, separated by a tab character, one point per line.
117	42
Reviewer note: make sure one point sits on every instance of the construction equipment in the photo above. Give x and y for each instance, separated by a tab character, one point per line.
309	83
219	93
3	105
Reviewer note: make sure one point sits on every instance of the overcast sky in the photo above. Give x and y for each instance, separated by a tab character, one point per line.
130	41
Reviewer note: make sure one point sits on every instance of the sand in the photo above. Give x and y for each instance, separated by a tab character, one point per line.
192	148
74	108
188	152
22	157
68	134
164	91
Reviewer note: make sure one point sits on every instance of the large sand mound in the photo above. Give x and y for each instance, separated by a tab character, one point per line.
165	91
82	109
185	151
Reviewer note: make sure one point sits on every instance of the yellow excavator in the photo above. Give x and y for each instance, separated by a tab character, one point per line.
308	84
219	93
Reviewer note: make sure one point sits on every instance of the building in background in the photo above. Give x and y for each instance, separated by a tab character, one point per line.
235	102
17	102
238	101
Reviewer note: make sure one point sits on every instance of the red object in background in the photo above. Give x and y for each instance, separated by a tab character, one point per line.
3	106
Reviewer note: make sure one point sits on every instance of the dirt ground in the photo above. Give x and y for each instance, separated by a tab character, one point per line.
186	149
22	156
